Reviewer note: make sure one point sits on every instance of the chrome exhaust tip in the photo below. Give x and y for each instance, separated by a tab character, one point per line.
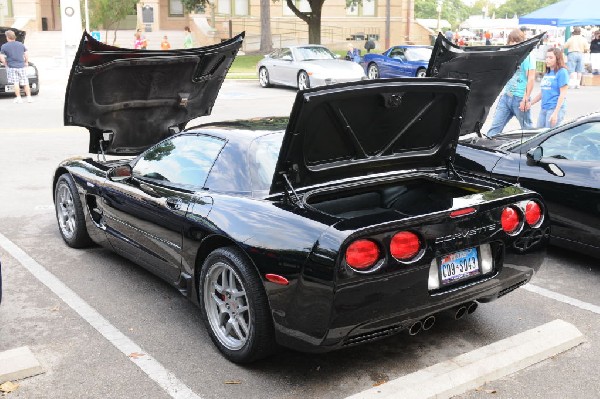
415	328
428	323
461	311
472	307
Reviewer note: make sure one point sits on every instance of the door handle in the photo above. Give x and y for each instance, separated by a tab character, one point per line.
174	202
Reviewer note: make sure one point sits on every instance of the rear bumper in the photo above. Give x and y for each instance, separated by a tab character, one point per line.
388	304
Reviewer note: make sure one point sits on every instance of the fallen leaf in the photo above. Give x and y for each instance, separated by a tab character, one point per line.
379	382
8	387
135	355
232	382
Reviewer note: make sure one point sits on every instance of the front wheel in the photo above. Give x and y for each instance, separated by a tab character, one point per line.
69	213
421	73
263	77
234	307
303	81
373	71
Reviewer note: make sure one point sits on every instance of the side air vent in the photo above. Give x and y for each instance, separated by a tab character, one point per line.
373	335
511	288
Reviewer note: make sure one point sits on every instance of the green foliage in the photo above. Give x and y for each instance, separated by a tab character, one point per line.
453	11
108	13
521	7
192	5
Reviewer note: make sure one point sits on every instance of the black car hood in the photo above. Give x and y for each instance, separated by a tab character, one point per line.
20	34
369	127
487	67
140	97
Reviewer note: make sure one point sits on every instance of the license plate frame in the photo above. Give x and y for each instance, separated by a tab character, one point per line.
459	266
9	88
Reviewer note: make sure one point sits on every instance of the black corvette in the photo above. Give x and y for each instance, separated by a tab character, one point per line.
562	164
344	223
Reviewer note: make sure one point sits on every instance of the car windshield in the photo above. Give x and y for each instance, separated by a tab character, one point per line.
264	153
314	53
418	54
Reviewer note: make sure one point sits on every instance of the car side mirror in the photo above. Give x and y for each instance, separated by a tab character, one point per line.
120	173
287	58
337	56
535	154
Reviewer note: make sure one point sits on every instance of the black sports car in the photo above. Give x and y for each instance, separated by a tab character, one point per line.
562	164
32	71
340	225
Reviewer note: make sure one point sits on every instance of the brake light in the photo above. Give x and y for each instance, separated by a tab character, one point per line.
405	245
510	220
362	254
533	213
462	212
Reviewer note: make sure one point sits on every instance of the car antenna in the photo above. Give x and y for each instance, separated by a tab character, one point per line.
101	151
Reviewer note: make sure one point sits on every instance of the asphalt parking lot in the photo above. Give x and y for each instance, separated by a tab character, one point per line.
152	322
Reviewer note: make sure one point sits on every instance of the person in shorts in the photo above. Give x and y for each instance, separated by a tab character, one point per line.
13	55
576	45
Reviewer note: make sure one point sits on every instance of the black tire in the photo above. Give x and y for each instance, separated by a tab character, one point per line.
69	213
223	310
303	81
421	73
373	71
263	77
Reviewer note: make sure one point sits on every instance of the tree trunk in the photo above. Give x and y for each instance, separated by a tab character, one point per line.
266	43
314	28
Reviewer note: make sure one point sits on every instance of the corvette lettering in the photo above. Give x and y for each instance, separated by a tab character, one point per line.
467	233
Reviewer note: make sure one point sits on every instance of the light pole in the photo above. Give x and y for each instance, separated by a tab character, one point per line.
439	11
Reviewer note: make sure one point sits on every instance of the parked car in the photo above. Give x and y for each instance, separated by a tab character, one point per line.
341	224
562	164
397	61
32	71
306	66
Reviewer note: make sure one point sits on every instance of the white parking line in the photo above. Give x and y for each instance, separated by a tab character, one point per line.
562	298
470	370
149	365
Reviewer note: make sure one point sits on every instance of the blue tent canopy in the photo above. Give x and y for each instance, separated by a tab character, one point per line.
565	13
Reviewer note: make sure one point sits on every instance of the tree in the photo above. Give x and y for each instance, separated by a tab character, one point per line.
266	42
312	17
453	11
521	7
109	13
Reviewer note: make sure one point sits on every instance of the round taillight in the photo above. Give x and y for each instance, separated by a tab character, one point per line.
405	245
510	220
533	213
362	254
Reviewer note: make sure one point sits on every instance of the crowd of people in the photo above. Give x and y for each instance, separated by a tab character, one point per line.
141	43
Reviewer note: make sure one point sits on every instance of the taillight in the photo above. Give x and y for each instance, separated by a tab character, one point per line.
405	245
362	254
462	212
533	213
510	220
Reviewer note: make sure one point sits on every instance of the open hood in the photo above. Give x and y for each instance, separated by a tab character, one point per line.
368	127
488	68
131	99
20	34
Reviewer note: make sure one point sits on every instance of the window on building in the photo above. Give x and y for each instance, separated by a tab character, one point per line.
233	7
175	8
366	9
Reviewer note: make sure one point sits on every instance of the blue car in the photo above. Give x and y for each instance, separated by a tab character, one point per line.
397	61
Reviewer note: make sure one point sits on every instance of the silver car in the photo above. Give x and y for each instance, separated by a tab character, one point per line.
306	66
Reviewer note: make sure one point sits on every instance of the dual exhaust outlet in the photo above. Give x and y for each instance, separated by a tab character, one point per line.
457	313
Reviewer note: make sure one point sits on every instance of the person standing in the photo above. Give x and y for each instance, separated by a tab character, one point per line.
188	41
595	50
165	45
137	41
553	87
449	35
13	55
514	99
576	45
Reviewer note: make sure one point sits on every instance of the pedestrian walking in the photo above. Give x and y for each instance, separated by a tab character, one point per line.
369	44
13	55
514	100
188	41
576	45
553	87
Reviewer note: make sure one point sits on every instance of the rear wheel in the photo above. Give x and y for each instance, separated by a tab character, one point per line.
69	213
373	71
234	306
263	77
421	72
303	81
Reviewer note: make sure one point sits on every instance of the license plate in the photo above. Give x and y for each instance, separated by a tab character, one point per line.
459	266
9	88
